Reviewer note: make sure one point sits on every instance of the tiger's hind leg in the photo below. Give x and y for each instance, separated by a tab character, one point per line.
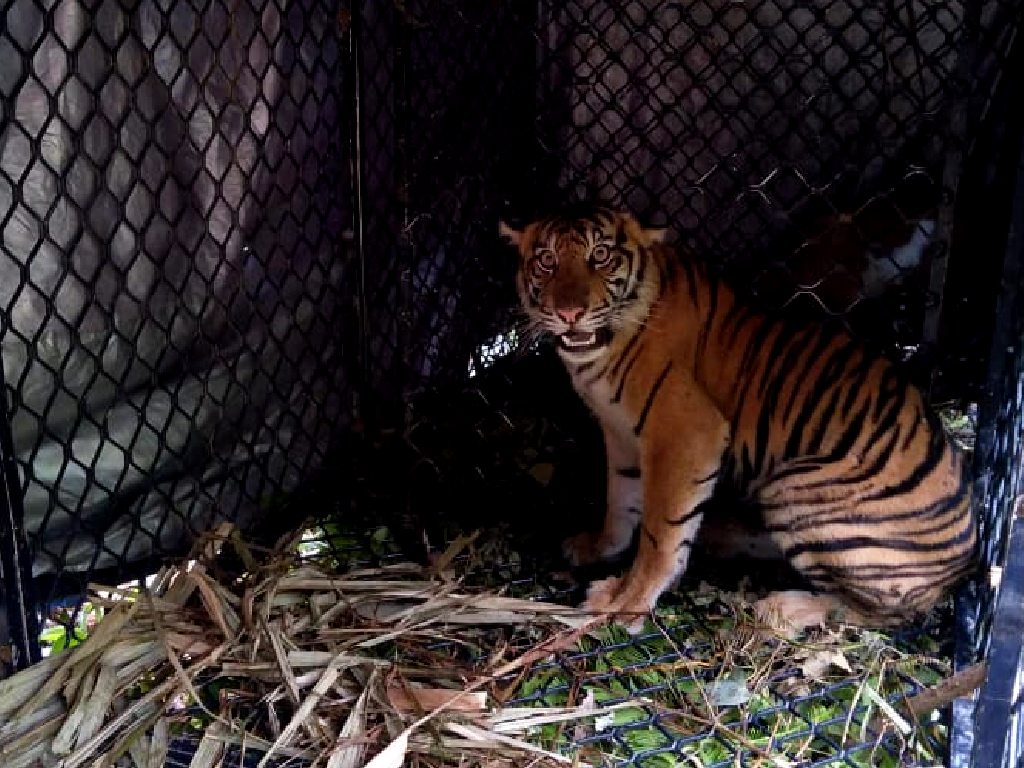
794	610
874	557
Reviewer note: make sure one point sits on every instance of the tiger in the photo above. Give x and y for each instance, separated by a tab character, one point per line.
855	481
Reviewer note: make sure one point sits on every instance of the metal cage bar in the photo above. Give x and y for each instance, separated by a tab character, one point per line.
998	738
19	627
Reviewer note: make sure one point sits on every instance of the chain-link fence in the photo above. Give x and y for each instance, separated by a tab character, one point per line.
992	621
174	274
243	241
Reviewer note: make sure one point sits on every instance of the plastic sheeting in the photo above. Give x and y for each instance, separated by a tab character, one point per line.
171	278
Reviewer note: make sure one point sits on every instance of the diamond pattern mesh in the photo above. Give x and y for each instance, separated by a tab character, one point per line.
173	217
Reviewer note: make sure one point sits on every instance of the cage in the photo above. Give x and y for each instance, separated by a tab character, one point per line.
250	265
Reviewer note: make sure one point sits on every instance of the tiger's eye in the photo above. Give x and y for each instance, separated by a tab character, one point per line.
545	261
600	255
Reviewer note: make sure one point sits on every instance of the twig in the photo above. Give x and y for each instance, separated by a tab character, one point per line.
942	693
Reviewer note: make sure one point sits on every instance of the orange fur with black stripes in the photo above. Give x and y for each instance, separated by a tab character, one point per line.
856	482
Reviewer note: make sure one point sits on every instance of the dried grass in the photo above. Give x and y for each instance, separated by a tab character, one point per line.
405	665
303	664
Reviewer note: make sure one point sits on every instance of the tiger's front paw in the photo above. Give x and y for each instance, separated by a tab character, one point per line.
627	602
586	548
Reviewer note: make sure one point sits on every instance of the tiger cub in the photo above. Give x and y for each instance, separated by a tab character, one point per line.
858	487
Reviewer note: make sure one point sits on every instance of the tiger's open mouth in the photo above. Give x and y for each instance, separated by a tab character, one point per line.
581	341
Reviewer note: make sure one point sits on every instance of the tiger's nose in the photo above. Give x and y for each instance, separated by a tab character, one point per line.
570	314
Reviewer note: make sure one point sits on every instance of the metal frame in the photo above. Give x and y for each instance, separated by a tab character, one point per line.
999	729
19	626
998	718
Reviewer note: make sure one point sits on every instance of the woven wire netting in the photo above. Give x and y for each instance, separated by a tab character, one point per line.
244	241
174	209
811	152
992	610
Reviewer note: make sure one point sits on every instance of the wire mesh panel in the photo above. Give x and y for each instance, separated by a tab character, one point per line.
991	731
812	152
444	130
174	214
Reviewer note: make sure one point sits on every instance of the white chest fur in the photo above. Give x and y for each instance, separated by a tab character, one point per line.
599	395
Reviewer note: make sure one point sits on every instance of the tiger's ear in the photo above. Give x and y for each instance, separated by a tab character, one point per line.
636	229
514	236
656	235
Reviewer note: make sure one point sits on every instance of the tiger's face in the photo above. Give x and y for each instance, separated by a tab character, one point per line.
584	278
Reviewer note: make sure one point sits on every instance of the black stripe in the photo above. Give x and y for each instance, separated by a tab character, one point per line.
625	374
691	279
600	374
796	468
913	430
884	571
854	428
820	517
852	543
943	524
633	472
641	266
583	368
712	476
855	377
888	422
770	400
650	536
666	274
687	517
747	469
826	380
616	360
825	420
630	297
783	343
874	570
883	456
650	399
755	346
670	267
831	371
702	338
625	351
733	323
936	450
837	505
840	517
889	388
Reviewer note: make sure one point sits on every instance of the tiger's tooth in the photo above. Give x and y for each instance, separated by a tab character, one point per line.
585	341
